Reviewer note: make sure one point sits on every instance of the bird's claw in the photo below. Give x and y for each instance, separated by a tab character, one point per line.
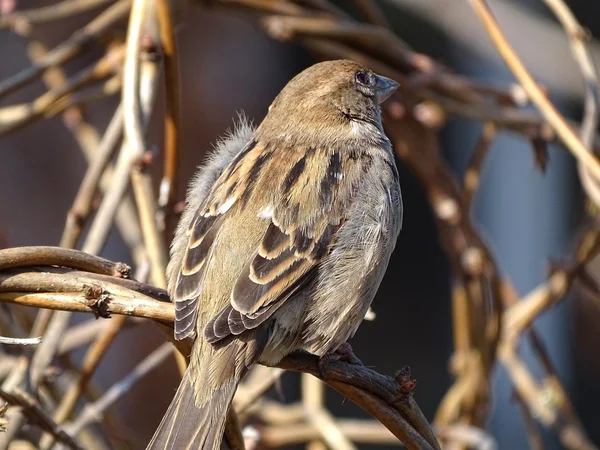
342	353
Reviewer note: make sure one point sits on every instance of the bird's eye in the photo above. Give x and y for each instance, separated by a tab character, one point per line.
362	78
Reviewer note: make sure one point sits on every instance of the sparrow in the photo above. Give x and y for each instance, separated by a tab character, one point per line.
285	237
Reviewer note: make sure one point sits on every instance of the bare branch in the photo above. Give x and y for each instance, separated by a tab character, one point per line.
65	51
20	341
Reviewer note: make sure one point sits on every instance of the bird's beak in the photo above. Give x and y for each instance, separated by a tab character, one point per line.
384	87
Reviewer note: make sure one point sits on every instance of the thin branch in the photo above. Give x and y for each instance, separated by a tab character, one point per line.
114	196
372	13
91	361
591	107
168	185
329	430
313	398
82	205
58	11
105	305
135	92
50	101
83	333
249	392
535	93
55	256
468	436
65	51
473	173
36	414
533	435
358	431
20	341
93	411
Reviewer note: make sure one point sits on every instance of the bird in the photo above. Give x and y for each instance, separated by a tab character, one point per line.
285	237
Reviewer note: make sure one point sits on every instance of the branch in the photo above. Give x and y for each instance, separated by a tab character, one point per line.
58	11
82	205
55	256
37	415
65	51
533	90
383	397
20	341
581	54
168	185
93	412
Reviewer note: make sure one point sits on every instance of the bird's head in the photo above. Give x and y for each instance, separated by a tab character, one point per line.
329	97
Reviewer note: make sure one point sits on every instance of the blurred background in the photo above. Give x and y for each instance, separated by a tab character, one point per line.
229	65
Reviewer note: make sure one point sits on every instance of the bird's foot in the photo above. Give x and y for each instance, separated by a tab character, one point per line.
342	353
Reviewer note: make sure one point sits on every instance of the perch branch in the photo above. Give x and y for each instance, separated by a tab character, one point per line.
379	395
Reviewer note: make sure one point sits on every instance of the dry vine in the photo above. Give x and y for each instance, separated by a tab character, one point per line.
65	281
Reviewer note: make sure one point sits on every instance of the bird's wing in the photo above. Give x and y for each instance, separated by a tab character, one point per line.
300	195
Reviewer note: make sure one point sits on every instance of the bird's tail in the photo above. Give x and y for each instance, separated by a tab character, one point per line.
188	427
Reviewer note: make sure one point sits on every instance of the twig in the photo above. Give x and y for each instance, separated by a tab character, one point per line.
581	54
82	205
248	393
133	93
472	437
577	39
313	392
473	173
137	306
535	93
62	10
93	411
15	419
65	51
478	314
533	435
113	197
372	13
83	333
44	104
36	414
359	431
47	349
557	414
55	256
20	341
91	361
328	428
168	185
87	137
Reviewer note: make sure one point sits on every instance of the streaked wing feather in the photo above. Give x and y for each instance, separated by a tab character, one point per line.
297	234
